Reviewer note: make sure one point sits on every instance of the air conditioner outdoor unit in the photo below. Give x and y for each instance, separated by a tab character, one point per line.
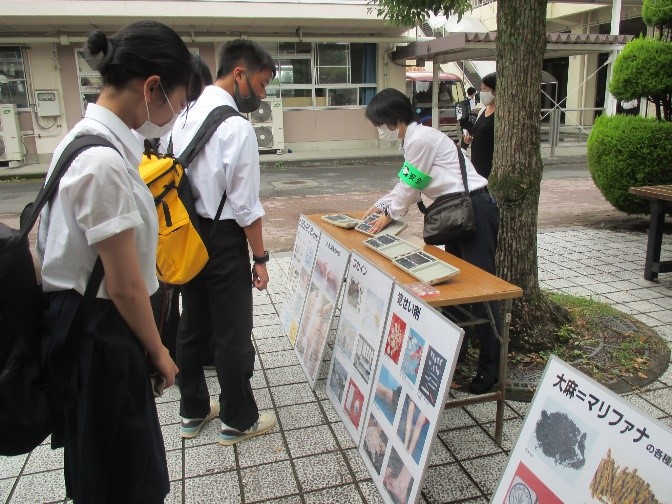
10	136
267	124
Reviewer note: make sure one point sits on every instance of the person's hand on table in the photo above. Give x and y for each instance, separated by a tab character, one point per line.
372	210
381	223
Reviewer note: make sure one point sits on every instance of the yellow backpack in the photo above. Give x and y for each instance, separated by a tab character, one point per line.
181	253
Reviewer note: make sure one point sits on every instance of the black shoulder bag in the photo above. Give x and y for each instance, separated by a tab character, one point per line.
451	216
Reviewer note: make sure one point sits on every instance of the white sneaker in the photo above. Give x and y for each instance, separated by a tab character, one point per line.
191	427
229	436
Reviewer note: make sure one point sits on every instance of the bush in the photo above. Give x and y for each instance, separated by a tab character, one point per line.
642	69
628	151
657	12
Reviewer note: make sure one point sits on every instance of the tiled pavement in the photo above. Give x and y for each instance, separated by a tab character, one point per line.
309	457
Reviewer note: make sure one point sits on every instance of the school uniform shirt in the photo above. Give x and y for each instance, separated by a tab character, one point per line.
228	162
434	153
100	195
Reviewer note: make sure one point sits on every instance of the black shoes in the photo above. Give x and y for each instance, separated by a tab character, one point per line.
480	385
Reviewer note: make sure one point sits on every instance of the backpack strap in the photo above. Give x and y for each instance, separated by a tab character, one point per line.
212	121
72	150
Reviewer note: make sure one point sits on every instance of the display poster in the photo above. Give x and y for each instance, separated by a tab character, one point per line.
583	443
415	367
323	290
303	258
358	337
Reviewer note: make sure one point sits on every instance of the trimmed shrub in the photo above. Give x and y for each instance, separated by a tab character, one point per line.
642	69
628	151
657	12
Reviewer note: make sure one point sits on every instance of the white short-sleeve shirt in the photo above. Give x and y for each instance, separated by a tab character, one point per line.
228	162
100	195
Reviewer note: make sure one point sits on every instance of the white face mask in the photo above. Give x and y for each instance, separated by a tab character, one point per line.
486	97
384	133
151	130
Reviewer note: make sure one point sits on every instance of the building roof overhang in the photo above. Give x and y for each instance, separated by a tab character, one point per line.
481	46
199	20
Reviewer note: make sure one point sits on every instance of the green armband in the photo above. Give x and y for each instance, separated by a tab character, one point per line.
413	177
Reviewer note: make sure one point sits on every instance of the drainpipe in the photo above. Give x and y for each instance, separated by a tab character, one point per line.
609	100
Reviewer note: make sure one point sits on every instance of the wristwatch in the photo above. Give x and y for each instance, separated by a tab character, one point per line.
261	259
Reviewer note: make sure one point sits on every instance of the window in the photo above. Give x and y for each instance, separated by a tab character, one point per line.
323	74
89	79
13	85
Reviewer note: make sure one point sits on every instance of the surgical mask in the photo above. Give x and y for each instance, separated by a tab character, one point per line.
384	133
151	130
486	97
246	104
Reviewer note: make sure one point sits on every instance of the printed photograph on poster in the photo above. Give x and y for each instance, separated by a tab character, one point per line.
353	294
347	334
616	480
337	379
314	328
363	361
432	374
395	338
324	276
375	443
398	480
354	403
562	441
387	394
373	313
527	488
413	355
413	428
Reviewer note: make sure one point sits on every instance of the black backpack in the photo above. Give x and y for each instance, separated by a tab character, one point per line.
25	416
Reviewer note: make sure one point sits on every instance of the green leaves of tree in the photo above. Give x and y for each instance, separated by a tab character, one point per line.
411	12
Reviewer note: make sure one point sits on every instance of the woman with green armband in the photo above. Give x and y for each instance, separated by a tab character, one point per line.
432	168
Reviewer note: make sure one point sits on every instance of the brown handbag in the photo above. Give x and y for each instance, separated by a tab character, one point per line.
451	216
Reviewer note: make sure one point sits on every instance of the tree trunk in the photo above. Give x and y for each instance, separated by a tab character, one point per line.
517	166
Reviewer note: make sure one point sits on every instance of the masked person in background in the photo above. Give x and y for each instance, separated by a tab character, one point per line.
113	446
218	301
482	135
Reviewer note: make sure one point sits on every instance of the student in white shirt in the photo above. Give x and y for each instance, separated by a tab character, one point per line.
218	301
109	428
432	153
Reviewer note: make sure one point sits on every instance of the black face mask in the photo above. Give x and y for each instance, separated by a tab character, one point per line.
246	104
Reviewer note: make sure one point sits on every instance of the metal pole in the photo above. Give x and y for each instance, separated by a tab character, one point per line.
551	131
609	100
435	94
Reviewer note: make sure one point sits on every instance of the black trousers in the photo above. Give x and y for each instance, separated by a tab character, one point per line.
479	249
218	302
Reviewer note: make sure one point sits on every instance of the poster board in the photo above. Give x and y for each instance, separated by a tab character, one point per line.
583	443
303	259
324	287
415	367
366	301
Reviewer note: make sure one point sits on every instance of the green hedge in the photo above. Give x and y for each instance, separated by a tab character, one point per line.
644	68
627	151
657	12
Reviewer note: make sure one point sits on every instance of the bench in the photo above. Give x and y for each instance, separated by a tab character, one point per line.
660	198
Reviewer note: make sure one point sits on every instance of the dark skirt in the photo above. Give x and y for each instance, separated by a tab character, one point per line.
109	427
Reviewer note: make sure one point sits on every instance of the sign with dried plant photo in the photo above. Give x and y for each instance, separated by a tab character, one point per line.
581	442
301	266
364	308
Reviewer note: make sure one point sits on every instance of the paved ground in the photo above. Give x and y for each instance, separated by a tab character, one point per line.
309	457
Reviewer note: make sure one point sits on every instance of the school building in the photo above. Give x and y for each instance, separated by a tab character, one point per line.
332	57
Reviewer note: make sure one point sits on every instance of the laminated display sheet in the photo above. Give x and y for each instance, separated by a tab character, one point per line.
583	443
366	301
324	287
416	361
303	259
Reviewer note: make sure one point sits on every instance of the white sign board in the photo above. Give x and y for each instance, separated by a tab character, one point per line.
303	258
415	367
358	337
325	284
583	443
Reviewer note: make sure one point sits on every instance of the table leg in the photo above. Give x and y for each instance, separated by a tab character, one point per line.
503	353
655	240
